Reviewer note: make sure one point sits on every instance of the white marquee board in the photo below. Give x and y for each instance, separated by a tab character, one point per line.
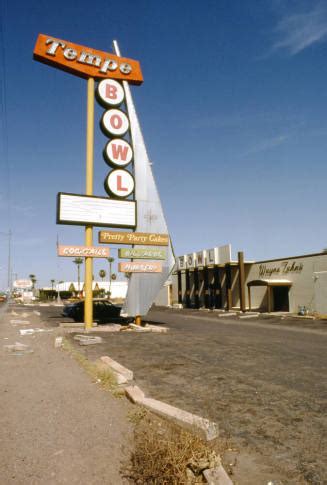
98	211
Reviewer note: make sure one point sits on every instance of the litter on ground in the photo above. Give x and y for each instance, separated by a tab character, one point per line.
88	339
32	331
18	349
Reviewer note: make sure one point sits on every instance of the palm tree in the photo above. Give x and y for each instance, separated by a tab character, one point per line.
33	279
110	261
102	274
52	283
78	262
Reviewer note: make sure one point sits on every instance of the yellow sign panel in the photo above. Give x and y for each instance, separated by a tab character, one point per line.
134	238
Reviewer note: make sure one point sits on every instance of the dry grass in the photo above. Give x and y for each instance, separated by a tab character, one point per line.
166	454
104	377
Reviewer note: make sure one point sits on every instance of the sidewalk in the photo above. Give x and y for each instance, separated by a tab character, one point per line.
57	426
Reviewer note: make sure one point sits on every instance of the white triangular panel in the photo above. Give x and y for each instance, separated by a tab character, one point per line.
143	288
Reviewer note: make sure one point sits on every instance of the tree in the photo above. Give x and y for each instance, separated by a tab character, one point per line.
33	279
110	261
102	274
52	284
78	262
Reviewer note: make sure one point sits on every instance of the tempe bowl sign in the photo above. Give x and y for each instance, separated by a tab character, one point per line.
132	202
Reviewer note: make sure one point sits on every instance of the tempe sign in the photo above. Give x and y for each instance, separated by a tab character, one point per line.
85	62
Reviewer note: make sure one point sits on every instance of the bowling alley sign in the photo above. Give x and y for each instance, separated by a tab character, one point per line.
110	70
118	152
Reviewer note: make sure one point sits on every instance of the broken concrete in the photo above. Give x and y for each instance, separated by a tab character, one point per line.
88	339
118	368
206	429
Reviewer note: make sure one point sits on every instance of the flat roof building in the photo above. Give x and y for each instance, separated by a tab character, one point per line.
211	279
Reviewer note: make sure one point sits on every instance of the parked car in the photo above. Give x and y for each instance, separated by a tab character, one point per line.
103	312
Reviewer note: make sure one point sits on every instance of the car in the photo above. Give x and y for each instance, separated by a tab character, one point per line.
103	312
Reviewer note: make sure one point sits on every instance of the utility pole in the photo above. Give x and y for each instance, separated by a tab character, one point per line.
9	261
8	234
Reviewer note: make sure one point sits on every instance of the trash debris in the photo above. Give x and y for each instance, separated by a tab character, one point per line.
36	312
18	349
58	342
27	331
88	339
32	331
20	322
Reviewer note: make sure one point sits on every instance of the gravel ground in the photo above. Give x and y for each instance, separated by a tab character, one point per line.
57	426
262	380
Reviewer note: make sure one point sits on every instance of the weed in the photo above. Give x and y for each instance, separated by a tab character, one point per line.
167	454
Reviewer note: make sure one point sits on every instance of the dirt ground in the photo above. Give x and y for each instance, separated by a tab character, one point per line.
57	426
263	381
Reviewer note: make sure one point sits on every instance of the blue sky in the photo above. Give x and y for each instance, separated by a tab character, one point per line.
233	112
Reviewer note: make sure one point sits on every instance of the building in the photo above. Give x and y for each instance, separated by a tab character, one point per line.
212	279
118	289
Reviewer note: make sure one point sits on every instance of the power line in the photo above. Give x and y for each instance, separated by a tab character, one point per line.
3	110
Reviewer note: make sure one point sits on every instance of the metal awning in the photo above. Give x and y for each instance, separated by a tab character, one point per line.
270	283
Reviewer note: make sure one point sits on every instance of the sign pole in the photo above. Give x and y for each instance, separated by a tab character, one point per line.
88	304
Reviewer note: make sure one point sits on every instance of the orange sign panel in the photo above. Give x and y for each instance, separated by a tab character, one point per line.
83	251
85	62
140	267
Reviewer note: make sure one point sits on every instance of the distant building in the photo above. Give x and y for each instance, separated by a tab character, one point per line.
118	289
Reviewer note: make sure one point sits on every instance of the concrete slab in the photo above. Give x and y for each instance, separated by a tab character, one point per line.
107	328
206	429
227	314
135	394
118	368
88	339
138	328
74	324
248	316
156	328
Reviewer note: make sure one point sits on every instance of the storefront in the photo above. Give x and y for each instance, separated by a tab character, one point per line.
212	279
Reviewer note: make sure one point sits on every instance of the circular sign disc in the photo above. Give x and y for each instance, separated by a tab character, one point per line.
119	183
118	153
115	122
110	92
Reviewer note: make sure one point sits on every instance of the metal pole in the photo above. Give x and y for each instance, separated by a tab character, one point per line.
88	304
241	279
9	261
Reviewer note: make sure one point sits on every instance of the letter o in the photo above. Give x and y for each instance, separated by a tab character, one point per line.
114	122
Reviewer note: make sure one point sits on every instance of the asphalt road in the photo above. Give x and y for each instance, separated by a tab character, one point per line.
263	380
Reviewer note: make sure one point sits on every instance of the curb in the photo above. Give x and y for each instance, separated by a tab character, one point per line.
206	429
217	476
118	368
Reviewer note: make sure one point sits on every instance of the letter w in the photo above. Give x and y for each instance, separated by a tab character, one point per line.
119	152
